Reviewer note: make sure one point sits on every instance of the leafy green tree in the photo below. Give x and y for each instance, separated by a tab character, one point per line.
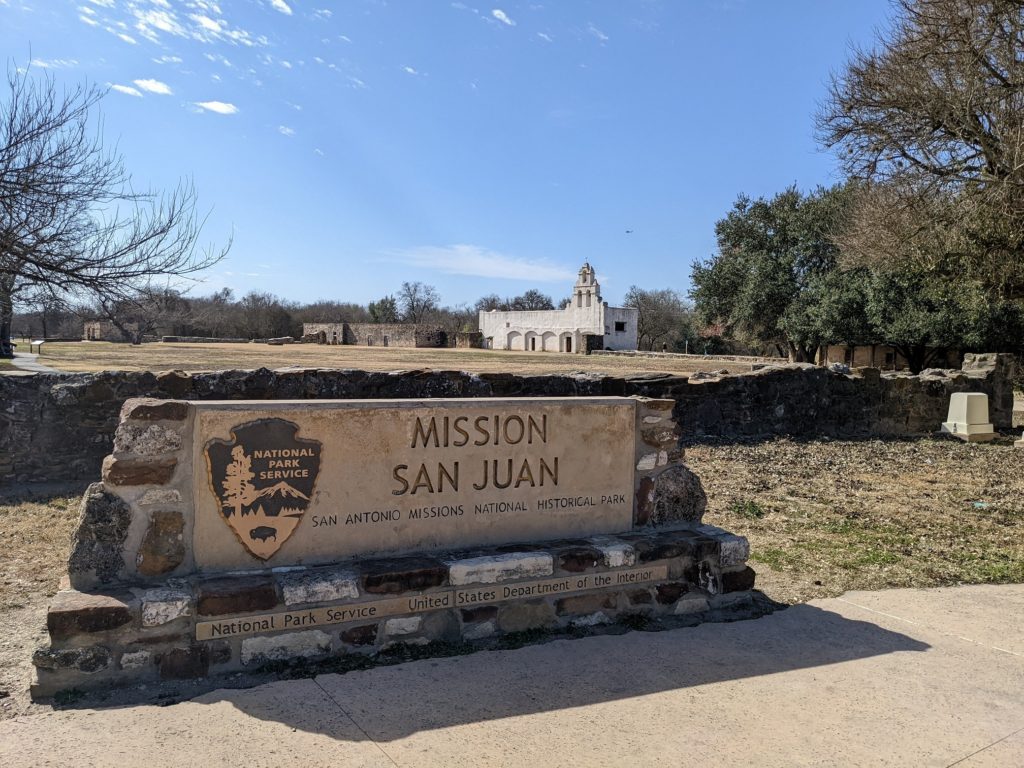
770	253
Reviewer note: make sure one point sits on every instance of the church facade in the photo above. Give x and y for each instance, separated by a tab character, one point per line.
564	330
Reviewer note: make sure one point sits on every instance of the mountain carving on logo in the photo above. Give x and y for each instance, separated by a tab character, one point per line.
284	490
246	478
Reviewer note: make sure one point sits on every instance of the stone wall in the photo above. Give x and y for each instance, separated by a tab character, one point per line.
379	334
59	427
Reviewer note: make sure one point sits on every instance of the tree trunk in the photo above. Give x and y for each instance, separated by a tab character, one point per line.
6	317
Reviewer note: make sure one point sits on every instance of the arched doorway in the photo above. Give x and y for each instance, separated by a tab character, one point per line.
549	341
515	340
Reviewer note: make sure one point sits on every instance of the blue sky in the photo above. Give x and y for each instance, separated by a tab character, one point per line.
477	147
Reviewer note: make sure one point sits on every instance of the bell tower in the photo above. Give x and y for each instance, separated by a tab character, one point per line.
587	290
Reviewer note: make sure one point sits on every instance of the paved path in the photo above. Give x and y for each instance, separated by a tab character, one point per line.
26	363
901	678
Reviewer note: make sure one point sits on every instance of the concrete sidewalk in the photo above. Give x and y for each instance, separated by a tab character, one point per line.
27	363
902	678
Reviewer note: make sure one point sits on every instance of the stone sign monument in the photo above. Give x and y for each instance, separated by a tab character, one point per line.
227	535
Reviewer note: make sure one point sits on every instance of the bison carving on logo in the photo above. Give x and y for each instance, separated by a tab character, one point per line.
263	479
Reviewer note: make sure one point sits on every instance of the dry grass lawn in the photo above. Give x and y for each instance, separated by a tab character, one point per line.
99	356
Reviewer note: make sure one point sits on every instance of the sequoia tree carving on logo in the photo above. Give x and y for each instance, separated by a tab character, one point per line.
263	479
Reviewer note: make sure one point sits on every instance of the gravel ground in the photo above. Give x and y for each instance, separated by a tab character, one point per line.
822	516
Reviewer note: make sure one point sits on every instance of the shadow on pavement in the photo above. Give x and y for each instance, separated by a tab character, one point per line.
393	702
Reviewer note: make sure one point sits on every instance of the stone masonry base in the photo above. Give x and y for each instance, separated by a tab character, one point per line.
135	635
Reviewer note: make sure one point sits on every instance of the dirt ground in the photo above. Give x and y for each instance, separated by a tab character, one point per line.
99	356
822	517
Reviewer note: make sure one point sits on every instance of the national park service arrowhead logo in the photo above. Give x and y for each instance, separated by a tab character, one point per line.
263	479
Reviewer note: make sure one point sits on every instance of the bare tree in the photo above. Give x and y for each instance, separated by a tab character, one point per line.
417	301
932	120
71	223
662	316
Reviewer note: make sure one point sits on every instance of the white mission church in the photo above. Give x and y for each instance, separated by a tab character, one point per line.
563	330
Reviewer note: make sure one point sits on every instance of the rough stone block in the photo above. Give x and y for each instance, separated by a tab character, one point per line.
585	604
738	581
441	625
580	559
644	501
99	539
733	550
146	440
136	659
617	555
235	595
73	613
678	495
640	597
669	592
493	569
593	620
163	546
317	586
479	631
519	617
305	644
403	625
647	462
157	496
383	577
184	663
691	603
151	409
88	660
481	613
362	635
162	606
121	472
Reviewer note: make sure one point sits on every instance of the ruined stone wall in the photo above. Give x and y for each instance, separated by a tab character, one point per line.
59	427
393	335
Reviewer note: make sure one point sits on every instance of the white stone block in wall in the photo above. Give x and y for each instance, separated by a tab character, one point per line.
616	554
304	644
734	550
159	496
160	606
647	462
406	625
496	568
300	588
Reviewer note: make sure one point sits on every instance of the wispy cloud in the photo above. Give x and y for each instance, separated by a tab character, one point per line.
167	60
220	107
410	71
322	13
479	262
205	22
284	130
127	89
545	37
154	86
54	63
501	16
597	33
282	6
